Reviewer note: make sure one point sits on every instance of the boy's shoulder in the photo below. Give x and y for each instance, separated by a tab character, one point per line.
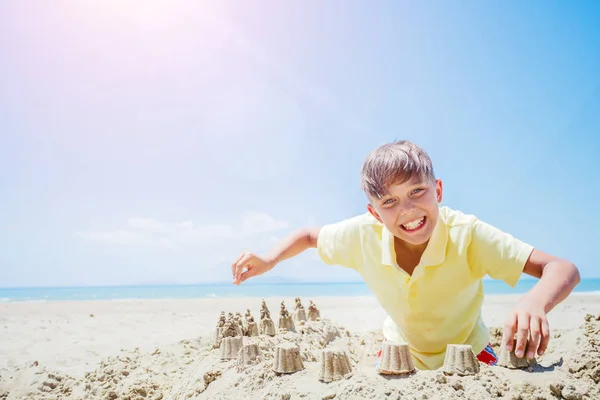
456	219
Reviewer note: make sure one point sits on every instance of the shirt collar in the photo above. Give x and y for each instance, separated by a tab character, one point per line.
434	254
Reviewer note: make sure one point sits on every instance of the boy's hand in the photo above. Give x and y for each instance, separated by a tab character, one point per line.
528	321
254	265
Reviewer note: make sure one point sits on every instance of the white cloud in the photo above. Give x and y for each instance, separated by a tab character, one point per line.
116	237
204	253
168	235
260	222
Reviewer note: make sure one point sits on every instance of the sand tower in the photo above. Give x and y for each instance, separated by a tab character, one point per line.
335	365
299	315
313	312
218	335
287	359
460	360
245	325
396	359
251	327
239	324
267	326
285	319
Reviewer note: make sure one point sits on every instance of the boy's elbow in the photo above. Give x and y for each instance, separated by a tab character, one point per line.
312	235
570	272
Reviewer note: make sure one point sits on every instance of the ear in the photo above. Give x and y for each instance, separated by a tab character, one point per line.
373	212
438	190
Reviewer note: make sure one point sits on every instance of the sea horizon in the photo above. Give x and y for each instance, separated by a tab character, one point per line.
227	290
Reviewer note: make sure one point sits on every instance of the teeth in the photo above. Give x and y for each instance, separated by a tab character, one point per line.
414	224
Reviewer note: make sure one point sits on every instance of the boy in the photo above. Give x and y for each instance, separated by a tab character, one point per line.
425	262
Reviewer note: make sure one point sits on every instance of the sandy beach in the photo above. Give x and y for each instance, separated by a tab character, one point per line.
163	349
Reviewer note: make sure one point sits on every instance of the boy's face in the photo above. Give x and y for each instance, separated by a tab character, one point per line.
409	210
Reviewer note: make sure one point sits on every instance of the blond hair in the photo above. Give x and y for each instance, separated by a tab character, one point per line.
393	163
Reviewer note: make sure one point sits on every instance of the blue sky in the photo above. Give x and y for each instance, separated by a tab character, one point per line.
150	141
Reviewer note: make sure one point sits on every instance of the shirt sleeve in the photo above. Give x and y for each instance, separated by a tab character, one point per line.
340	243
497	254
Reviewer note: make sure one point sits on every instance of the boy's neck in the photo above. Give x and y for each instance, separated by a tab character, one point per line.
408	256
412	249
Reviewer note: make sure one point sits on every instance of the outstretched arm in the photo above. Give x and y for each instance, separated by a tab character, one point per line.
557	279
249	264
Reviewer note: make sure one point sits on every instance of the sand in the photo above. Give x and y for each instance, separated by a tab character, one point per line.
163	349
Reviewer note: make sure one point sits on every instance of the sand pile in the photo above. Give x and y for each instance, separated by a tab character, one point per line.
194	369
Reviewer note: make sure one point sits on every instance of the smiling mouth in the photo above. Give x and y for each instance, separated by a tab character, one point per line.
415	225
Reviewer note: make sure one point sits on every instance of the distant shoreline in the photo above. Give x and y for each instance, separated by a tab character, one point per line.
228	290
224	283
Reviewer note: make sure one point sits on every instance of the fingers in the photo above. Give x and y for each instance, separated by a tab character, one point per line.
545	337
510	328
248	274
235	262
534	336
522	333
244	262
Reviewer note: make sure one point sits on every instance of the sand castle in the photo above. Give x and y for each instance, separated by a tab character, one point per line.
335	365
230	329
267	327
313	312
285	319
287	359
231	340
508	359
460	360
395	359
299	315
248	355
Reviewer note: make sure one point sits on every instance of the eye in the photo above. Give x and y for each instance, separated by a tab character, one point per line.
387	202
417	191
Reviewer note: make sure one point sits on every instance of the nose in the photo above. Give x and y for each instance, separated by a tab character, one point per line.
406	207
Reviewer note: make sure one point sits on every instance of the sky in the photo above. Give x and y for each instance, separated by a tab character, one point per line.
146	142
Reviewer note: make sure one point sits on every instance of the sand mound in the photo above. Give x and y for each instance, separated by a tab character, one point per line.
510	360
193	369
230	347
395	359
287	359
460	360
248	355
335	365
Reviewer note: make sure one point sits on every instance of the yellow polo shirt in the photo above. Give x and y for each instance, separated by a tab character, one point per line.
440	303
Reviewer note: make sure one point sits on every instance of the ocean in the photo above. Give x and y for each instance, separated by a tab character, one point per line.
230	290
